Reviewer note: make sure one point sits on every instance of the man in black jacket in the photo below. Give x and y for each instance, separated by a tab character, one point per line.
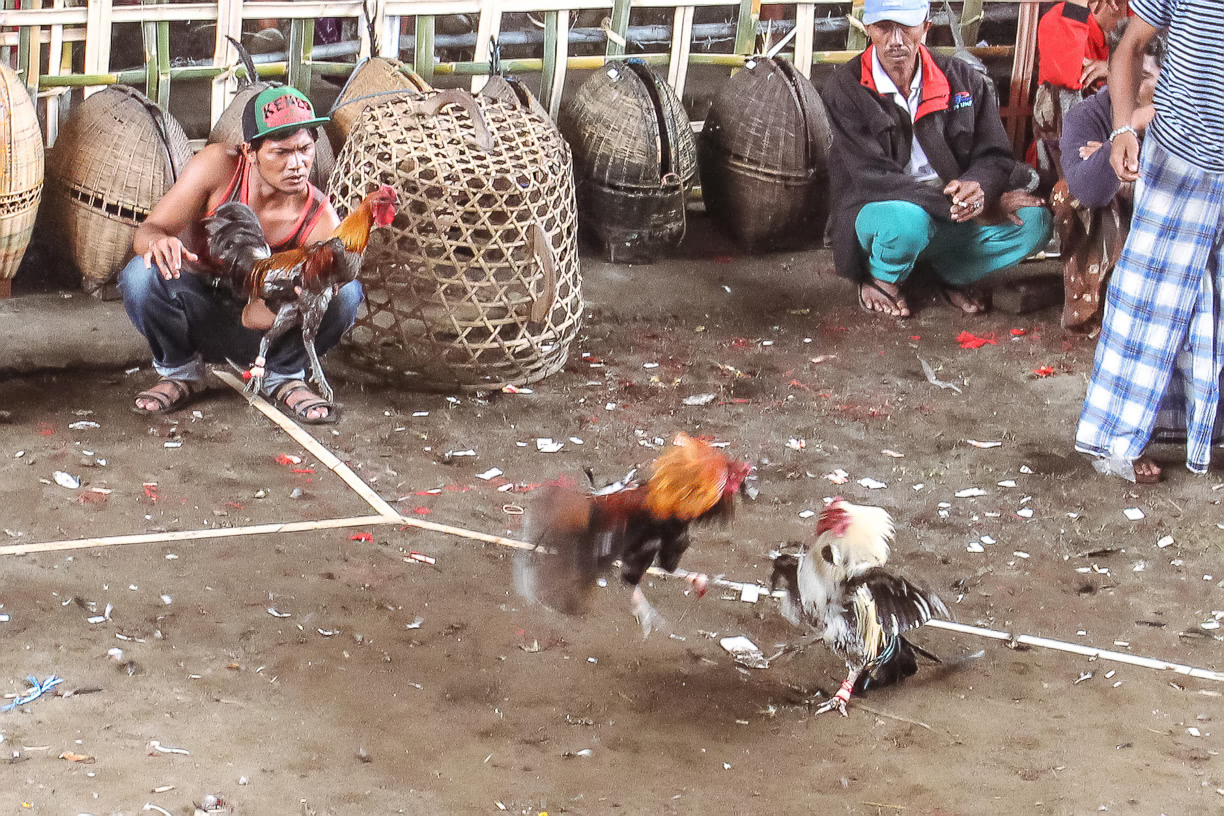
920	162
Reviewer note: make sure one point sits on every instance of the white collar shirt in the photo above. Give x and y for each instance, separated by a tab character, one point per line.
919	166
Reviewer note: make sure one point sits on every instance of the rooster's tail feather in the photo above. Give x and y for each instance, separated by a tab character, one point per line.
561	572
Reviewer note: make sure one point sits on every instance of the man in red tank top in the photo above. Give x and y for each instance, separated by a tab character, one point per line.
186	318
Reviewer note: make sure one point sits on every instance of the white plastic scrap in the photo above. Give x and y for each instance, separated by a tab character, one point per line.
933	380
838	476
745	652
546	445
872	484
66	480
82	424
970	493
491	473
1165	541
699	399
978	444
1133	513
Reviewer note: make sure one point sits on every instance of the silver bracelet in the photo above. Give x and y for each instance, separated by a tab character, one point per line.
1124	129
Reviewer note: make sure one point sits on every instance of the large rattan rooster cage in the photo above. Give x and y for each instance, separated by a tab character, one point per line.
764	157
21	174
372	80
476	284
635	160
115	158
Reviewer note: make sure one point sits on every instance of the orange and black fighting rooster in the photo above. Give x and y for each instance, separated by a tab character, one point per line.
578	534
296	284
839	589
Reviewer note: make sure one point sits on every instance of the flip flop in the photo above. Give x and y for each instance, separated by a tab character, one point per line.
893	300
185	393
298	411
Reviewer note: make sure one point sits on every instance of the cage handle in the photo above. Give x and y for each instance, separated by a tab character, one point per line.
541	248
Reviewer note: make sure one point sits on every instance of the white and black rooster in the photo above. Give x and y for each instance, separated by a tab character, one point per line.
838	588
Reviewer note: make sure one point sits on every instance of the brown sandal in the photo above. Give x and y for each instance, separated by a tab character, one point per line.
298	410
180	394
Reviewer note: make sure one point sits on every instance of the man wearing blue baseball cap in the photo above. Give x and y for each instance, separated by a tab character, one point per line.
921	169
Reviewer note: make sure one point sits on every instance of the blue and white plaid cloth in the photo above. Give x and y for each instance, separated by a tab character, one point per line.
1161	351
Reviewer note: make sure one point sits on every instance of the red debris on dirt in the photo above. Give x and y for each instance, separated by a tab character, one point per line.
971	341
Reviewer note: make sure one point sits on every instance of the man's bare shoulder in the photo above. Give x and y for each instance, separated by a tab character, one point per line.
215	163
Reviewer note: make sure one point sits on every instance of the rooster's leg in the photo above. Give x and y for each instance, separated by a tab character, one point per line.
647	615
842	696
285	318
312	318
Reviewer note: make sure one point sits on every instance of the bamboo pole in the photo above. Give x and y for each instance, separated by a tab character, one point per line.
618	27
682	43
325	457
486	34
97	39
423	56
805	22
225	86
746	31
556	50
196	535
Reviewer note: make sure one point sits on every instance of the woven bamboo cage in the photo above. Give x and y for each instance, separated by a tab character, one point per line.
514	92
635	161
115	158
370	81
764	157
476	285
229	130
21	174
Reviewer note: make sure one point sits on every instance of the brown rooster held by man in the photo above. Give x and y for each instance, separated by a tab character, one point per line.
579	534
838	588
296	284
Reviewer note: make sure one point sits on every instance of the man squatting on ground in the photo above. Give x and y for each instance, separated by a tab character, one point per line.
190	319
921	174
1158	363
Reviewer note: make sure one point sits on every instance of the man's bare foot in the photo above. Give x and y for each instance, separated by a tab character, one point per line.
966	300
875	295
1146	471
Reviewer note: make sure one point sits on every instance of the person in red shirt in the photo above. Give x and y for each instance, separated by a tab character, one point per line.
1072	63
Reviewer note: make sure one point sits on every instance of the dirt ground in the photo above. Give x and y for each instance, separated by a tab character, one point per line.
317	673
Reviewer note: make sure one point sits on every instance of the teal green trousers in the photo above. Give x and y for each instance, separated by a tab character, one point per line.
896	234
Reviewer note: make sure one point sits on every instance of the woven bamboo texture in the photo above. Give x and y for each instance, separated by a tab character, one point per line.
635	161
229	130
372	80
513	92
21	174
115	158
764	157
476	285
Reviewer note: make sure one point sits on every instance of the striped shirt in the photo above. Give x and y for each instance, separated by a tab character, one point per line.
1190	94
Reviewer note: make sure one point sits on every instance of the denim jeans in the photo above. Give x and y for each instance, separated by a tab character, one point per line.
189	324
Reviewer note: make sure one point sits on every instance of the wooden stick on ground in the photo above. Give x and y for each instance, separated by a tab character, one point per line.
316	449
195	535
1075	648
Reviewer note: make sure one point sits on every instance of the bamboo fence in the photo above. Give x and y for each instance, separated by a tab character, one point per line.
43	39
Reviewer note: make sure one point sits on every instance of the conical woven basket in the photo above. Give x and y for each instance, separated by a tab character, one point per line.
370	81
634	159
764	157
476	285
114	159
21	174
229	130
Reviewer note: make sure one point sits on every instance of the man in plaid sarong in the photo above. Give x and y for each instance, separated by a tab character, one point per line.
1161	352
